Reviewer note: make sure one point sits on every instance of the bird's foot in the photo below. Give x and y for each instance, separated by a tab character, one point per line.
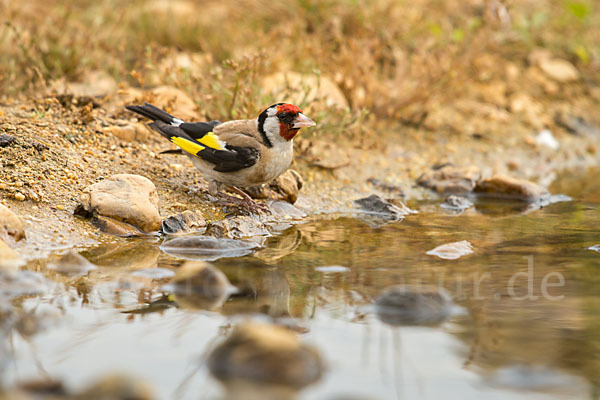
248	202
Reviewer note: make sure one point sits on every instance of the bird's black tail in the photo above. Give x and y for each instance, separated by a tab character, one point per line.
152	112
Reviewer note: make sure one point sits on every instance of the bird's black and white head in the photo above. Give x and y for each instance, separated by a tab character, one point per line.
281	122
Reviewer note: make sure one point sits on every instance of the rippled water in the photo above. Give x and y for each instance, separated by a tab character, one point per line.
533	335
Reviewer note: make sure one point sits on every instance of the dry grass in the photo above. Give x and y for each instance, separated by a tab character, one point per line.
390	58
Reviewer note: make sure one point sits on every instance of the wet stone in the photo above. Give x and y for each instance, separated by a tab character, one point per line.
403	305
284	210
206	248
127	198
456	203
114	227
379	207
450	179
185	222
265	354
452	251
502	186
72	263
239	227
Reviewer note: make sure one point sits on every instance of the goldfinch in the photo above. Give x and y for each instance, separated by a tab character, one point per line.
238	153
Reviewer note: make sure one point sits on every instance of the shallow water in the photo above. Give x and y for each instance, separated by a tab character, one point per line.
524	336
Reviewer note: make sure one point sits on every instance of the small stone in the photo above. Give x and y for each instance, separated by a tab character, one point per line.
403	305
11	226
450	179
452	251
560	70
286	187
6	140
379	207
127	198
186	222
503	186
266	355
456	203
19	196
239	227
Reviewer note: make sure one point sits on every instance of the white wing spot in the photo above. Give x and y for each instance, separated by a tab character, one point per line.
176	122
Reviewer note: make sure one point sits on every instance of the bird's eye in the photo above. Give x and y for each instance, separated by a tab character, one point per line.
282	116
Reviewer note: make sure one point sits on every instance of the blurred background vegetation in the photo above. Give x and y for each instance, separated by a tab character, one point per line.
389	59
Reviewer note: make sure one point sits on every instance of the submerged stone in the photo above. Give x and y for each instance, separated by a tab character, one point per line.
72	263
452	251
456	203
414	305
206	248
379	207
265	354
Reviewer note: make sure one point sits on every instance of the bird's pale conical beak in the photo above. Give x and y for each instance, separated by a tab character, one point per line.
302	121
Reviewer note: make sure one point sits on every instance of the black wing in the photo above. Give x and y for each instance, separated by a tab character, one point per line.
225	157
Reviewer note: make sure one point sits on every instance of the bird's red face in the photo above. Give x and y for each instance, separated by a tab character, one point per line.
291	120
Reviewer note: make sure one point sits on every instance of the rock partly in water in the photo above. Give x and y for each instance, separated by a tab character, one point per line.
502	186
405	305
200	285
265	355
72	263
452	251
284	211
450	179
456	203
9	259
185	222
207	248
239	227
11	226
378	207
128	198
286	187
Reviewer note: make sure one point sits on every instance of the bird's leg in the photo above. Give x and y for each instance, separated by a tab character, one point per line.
249	201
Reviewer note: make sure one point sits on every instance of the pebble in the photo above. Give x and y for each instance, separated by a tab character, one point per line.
456	203
452	251
503	186
19	196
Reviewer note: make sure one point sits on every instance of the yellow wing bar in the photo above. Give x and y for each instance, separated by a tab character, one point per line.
193	147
